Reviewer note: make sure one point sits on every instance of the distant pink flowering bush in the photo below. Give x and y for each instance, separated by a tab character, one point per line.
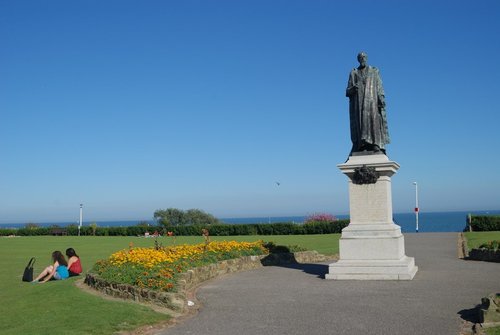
320	217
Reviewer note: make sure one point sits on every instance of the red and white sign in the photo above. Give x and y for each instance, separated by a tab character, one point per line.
416	209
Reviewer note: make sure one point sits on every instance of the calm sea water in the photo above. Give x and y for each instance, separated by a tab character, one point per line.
428	222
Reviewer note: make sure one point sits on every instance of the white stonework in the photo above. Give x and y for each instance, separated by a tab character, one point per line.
371	246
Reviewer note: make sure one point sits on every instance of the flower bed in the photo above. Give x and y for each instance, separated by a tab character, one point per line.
160	268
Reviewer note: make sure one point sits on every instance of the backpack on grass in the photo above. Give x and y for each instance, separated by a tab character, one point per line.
28	271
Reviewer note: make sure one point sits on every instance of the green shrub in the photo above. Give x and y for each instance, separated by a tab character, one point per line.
276	249
117	231
140	230
485	222
491	245
7	232
73	230
84	230
33	232
192	230
296	248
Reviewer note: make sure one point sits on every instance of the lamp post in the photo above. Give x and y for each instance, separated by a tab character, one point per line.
416	206
81	219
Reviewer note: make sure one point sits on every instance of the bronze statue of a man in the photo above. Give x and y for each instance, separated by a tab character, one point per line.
369	133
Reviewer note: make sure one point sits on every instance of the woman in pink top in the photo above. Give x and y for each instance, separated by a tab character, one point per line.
74	265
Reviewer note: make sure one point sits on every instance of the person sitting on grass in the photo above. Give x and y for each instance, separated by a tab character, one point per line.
57	271
74	264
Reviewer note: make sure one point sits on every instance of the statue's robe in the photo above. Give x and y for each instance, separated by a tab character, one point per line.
367	110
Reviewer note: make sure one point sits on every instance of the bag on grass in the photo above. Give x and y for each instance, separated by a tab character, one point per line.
28	271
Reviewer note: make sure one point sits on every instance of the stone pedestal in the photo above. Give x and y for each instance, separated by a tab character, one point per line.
371	246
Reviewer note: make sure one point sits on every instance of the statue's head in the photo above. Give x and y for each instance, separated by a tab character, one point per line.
362	58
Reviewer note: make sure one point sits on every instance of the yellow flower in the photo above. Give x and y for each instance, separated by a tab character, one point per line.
150	257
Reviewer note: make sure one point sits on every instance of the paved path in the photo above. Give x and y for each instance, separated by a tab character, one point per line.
296	300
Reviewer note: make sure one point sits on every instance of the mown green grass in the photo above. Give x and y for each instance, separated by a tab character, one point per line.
493	331
475	239
59	307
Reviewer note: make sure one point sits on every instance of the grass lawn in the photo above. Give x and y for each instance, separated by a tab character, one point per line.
59	307
493	331
475	239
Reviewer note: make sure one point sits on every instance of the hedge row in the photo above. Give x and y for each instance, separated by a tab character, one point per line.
263	229
84	231
194	230
485	223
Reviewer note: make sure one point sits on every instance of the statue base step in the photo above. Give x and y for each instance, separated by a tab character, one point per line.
402	269
372	252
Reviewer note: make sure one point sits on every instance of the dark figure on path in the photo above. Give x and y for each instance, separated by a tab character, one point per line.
369	133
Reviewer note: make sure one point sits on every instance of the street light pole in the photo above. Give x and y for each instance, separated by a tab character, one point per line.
416	206
81	219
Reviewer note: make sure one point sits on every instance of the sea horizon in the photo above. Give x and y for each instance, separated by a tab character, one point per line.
447	221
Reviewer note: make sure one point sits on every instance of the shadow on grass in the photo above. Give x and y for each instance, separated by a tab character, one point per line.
471	315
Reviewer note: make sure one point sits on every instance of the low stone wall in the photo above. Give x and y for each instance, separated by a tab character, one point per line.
176	301
196	276
484	255
172	301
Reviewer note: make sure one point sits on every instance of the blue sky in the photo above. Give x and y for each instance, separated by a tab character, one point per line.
132	106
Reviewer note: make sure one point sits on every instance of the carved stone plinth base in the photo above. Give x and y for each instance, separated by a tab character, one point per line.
372	246
372	252
403	269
